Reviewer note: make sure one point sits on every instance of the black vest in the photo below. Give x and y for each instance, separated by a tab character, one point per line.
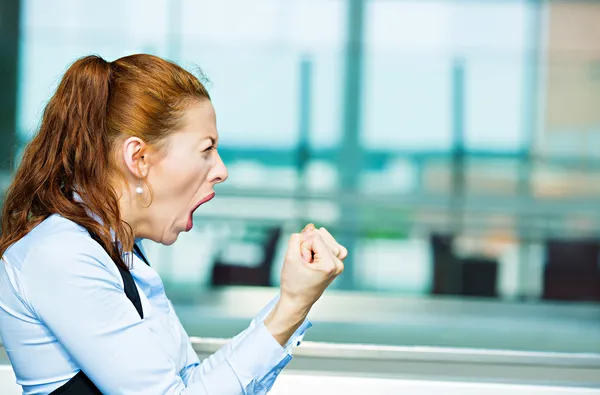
80	384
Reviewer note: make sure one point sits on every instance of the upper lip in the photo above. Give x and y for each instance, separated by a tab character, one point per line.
201	202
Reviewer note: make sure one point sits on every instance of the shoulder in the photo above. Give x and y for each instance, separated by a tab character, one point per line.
57	246
52	234
58	256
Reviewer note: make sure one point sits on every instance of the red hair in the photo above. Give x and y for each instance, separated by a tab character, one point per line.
96	105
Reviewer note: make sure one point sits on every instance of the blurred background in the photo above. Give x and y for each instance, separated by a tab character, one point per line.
453	146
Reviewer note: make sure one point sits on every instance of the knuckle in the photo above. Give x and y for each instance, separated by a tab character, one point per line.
324	231
331	271
339	266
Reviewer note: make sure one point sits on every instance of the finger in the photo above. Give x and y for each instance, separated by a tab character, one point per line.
323	255
319	246
306	235
330	241
338	250
343	252
308	227
339	266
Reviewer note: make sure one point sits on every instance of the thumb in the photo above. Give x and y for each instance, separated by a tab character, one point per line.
306	242
293	249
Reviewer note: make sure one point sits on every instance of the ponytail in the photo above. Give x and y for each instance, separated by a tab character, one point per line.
65	168
69	167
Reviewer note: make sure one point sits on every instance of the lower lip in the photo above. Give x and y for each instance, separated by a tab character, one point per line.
190	223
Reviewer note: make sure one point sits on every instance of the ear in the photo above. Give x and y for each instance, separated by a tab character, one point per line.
135	152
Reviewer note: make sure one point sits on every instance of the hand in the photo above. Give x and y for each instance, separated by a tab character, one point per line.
337	249
303	281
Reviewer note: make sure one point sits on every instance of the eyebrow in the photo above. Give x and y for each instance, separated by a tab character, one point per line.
212	139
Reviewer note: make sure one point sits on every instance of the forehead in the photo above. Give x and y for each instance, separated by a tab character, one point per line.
199	120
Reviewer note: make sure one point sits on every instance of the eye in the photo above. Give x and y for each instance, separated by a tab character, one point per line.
209	148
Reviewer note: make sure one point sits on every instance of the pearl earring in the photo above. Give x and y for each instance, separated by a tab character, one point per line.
139	190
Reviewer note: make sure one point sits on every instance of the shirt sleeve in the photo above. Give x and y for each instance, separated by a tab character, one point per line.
236	352
76	291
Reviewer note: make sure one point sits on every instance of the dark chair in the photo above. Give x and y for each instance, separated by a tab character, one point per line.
571	271
230	273
472	276
446	268
479	277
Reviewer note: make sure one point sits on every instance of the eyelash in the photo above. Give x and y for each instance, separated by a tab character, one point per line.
209	148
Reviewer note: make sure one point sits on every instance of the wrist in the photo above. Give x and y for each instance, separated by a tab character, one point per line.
293	307
285	318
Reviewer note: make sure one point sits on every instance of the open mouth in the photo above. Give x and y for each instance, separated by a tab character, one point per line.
190	223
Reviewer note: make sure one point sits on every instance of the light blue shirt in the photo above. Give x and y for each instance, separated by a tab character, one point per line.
63	309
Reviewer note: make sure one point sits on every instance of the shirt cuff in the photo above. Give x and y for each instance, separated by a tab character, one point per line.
260	357
257	356
297	337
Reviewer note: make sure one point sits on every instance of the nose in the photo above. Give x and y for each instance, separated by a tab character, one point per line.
218	173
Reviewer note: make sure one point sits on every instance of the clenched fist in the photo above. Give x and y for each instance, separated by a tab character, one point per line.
312	261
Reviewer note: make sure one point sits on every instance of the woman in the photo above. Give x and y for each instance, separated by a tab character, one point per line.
126	151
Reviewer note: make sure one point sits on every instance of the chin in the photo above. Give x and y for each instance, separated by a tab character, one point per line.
170	239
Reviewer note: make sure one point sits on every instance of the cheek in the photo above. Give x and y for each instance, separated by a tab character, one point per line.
180	179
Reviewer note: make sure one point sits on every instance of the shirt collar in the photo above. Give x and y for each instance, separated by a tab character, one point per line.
78	199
